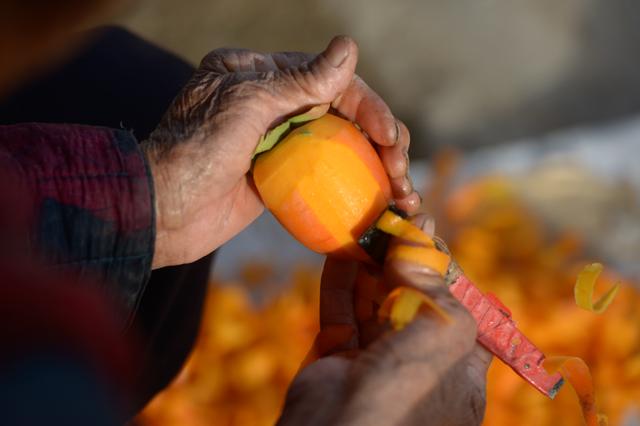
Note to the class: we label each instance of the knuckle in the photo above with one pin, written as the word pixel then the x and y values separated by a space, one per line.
pixel 214 58
pixel 246 90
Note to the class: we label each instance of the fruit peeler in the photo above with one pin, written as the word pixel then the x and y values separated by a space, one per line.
pixel 497 331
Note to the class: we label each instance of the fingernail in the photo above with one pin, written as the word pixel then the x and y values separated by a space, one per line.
pixel 425 222
pixel 420 220
pixel 396 136
pixel 429 226
pixel 337 51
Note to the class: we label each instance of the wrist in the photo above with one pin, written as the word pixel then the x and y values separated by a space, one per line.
pixel 160 183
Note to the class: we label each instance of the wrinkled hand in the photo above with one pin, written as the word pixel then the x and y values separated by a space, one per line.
pixel 431 372
pixel 200 154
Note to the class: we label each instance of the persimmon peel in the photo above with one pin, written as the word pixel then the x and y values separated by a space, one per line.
pixel 404 303
pixel 395 225
pixel 576 372
pixel 583 290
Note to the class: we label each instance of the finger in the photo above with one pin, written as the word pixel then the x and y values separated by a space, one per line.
pixel 402 272
pixel 429 225
pixel 264 63
pixel 370 292
pixel 401 186
pixel 359 103
pixel 331 339
pixel 337 300
pixel 426 332
pixel 428 339
pixel 478 363
pixel 362 105
pixel 410 204
pixel 396 157
pixel 371 330
pixel 224 60
pixel 415 360
pixel 319 81
pixel 322 79
pixel 284 60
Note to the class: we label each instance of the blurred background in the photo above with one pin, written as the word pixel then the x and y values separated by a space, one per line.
pixel 462 71
pixel 526 112
pixel 525 122
pixel 522 87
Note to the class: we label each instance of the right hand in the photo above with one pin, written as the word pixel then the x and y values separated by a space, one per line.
pixel 431 372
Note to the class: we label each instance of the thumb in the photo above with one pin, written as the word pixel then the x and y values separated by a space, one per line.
pixel 319 81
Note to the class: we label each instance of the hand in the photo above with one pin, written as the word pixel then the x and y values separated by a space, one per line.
pixel 431 372
pixel 200 154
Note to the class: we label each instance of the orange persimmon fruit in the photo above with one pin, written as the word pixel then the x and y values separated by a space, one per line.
pixel 325 184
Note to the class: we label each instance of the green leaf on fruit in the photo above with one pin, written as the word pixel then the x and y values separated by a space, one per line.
pixel 275 135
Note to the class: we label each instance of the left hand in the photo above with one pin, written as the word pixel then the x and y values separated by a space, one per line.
pixel 200 154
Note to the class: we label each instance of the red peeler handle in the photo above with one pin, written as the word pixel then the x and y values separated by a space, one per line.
pixel 498 333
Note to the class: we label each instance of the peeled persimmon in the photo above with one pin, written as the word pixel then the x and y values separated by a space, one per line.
pixel 325 184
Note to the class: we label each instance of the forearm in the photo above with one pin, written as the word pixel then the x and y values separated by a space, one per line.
pixel 89 203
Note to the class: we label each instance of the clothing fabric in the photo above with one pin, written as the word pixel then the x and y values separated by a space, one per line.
pixel 91 203
pixel 124 84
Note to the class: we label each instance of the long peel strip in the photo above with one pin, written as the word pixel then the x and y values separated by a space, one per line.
pixel 576 372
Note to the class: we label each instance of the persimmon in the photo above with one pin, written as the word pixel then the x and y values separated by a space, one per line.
pixel 326 184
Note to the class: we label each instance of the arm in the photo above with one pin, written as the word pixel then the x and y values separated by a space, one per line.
pixel 91 191
pixel 89 199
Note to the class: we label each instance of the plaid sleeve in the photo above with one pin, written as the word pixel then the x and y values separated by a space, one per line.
pixel 90 203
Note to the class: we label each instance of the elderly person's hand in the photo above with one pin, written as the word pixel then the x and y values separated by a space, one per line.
pixel 431 372
pixel 200 154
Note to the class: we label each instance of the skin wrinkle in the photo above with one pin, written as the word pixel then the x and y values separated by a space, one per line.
pixel 201 98
pixel 325 379
pixel 437 398
pixel 409 368
pixel 406 378
pixel 201 152
pixel 306 81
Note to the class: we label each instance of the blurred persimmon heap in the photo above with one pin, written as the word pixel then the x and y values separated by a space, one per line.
pixel 247 353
